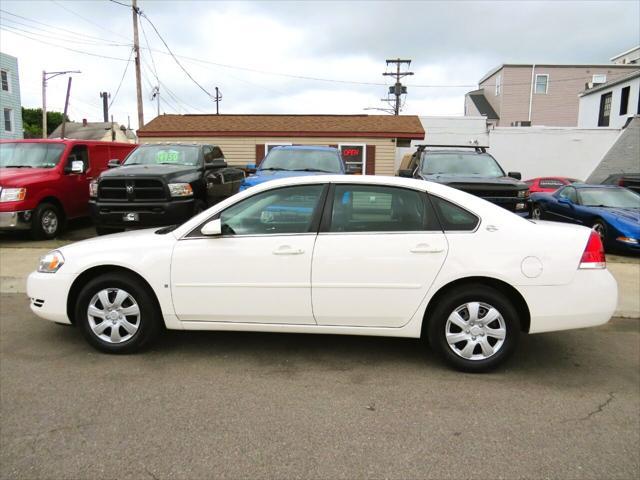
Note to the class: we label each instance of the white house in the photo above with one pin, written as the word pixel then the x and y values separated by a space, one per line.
pixel 612 103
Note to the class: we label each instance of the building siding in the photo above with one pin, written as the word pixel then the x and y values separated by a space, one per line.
pixel 11 99
pixel 589 106
pixel 240 151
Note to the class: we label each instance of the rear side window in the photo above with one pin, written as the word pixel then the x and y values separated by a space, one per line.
pixel 452 217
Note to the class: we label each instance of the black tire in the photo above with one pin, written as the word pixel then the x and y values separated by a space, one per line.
pixel 536 212
pixel 436 328
pixel 47 221
pixel 601 228
pixel 148 322
pixel 106 231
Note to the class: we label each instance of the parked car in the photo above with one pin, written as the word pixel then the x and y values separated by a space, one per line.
pixel 475 172
pixel 548 184
pixel 361 255
pixel 296 161
pixel 613 212
pixel 161 184
pixel 627 180
pixel 44 183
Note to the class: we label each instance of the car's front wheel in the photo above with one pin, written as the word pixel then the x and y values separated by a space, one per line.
pixel 117 313
pixel 47 221
pixel 474 329
pixel 536 212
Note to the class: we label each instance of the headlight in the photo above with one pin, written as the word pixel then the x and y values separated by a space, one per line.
pixel 180 189
pixel 13 194
pixel 51 262
pixel 523 194
pixel 93 189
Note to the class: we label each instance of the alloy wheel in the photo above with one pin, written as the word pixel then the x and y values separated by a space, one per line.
pixel 475 331
pixel 536 213
pixel 49 221
pixel 114 315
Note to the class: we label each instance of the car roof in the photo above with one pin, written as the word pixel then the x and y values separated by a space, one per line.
pixel 305 147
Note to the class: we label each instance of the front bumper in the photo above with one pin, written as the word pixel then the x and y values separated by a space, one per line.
pixel 152 214
pixel 15 220
pixel 48 294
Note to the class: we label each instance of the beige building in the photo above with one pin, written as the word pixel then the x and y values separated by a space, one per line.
pixel 98 131
pixel 537 94
pixel 366 141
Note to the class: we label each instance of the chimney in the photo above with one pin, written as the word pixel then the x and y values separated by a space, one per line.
pixel 84 122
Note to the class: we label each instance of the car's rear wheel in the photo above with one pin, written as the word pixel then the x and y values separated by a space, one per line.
pixel 117 313
pixel 47 221
pixel 536 212
pixel 474 329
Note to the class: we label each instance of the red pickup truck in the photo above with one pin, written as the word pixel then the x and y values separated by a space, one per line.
pixel 43 183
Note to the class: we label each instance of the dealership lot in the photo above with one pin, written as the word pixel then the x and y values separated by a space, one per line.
pixel 266 405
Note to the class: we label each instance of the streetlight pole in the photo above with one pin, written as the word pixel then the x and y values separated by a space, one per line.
pixel 48 76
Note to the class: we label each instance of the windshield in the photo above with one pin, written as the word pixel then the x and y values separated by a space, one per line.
pixel 609 197
pixel 462 164
pixel 187 155
pixel 302 160
pixel 30 155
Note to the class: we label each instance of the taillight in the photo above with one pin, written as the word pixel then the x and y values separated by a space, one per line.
pixel 593 255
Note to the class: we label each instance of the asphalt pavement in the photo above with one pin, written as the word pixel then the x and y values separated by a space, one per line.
pixel 248 405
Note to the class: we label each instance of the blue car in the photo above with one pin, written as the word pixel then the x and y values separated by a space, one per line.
pixel 295 161
pixel 612 211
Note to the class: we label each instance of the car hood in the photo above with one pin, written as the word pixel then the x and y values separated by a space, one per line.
pixel 168 172
pixel 474 180
pixel 22 177
pixel 262 176
pixel 630 215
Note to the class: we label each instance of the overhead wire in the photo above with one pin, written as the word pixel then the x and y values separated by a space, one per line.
pixel 126 67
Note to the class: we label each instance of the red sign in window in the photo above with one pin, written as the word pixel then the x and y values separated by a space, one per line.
pixel 353 156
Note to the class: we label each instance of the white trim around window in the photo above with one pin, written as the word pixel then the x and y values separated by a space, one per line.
pixel 364 153
pixel 546 83
pixel 598 78
pixel 275 144
pixel 8 76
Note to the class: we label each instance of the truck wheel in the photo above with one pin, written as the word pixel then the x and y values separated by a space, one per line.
pixel 47 221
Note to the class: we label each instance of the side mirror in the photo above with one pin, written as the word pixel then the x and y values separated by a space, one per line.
pixel 406 173
pixel 113 163
pixel 212 228
pixel 77 166
pixel 215 163
pixel 516 175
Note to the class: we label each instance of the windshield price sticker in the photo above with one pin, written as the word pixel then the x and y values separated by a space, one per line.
pixel 167 156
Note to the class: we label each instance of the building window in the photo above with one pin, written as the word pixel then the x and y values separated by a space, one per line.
pixel 605 110
pixel 6 85
pixel 624 100
pixel 354 155
pixel 542 83
pixel 269 146
pixel 498 84
pixel 599 78
pixel 8 120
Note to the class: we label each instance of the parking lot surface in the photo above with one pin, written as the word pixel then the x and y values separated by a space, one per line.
pixel 239 405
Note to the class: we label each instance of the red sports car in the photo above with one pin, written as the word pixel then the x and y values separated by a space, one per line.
pixel 548 184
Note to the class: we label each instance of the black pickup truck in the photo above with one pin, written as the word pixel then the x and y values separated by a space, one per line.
pixel 472 171
pixel 161 184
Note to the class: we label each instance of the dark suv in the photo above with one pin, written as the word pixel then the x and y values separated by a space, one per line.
pixel 473 171
pixel 161 184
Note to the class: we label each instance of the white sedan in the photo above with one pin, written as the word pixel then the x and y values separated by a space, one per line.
pixel 363 255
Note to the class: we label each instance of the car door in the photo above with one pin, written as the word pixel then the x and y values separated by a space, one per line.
pixel 259 269
pixel 378 252
pixel 75 191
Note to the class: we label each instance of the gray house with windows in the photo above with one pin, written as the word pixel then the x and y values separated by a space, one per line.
pixel 10 105
pixel 611 104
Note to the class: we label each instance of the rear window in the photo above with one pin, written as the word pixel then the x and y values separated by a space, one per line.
pixel 551 183
pixel 452 217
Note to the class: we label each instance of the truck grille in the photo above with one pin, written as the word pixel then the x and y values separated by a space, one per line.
pixel 143 190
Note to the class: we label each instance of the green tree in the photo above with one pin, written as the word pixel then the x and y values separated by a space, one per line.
pixel 32 122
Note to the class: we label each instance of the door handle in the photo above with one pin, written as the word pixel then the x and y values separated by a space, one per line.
pixel 425 248
pixel 287 250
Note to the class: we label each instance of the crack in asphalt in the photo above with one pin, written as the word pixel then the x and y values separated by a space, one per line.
pixel 599 409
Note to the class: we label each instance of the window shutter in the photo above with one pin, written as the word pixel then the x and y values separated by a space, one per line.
pixel 259 153
pixel 371 160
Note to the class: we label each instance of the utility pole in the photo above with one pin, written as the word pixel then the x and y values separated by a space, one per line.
pixel 66 107
pixel 217 100
pixel 105 105
pixel 398 89
pixel 48 76
pixel 136 49
pixel 155 95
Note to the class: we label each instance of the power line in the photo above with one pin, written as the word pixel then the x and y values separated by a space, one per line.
pixel 126 67
pixel 73 12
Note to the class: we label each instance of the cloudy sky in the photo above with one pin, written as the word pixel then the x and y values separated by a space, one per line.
pixel 297 57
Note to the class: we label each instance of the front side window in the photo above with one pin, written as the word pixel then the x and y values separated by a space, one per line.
pixel 542 83
pixel 79 153
pixel 280 211
pixel 452 217
pixel 8 120
pixel 30 155
pixel 185 155
pixel 302 160
pixel 372 208
pixel 569 193
pixel 461 164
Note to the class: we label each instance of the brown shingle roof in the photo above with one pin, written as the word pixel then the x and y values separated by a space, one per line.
pixel 385 126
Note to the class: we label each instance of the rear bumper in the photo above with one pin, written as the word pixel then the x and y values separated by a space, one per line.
pixel 48 294
pixel 588 301
pixel 20 220
pixel 156 214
